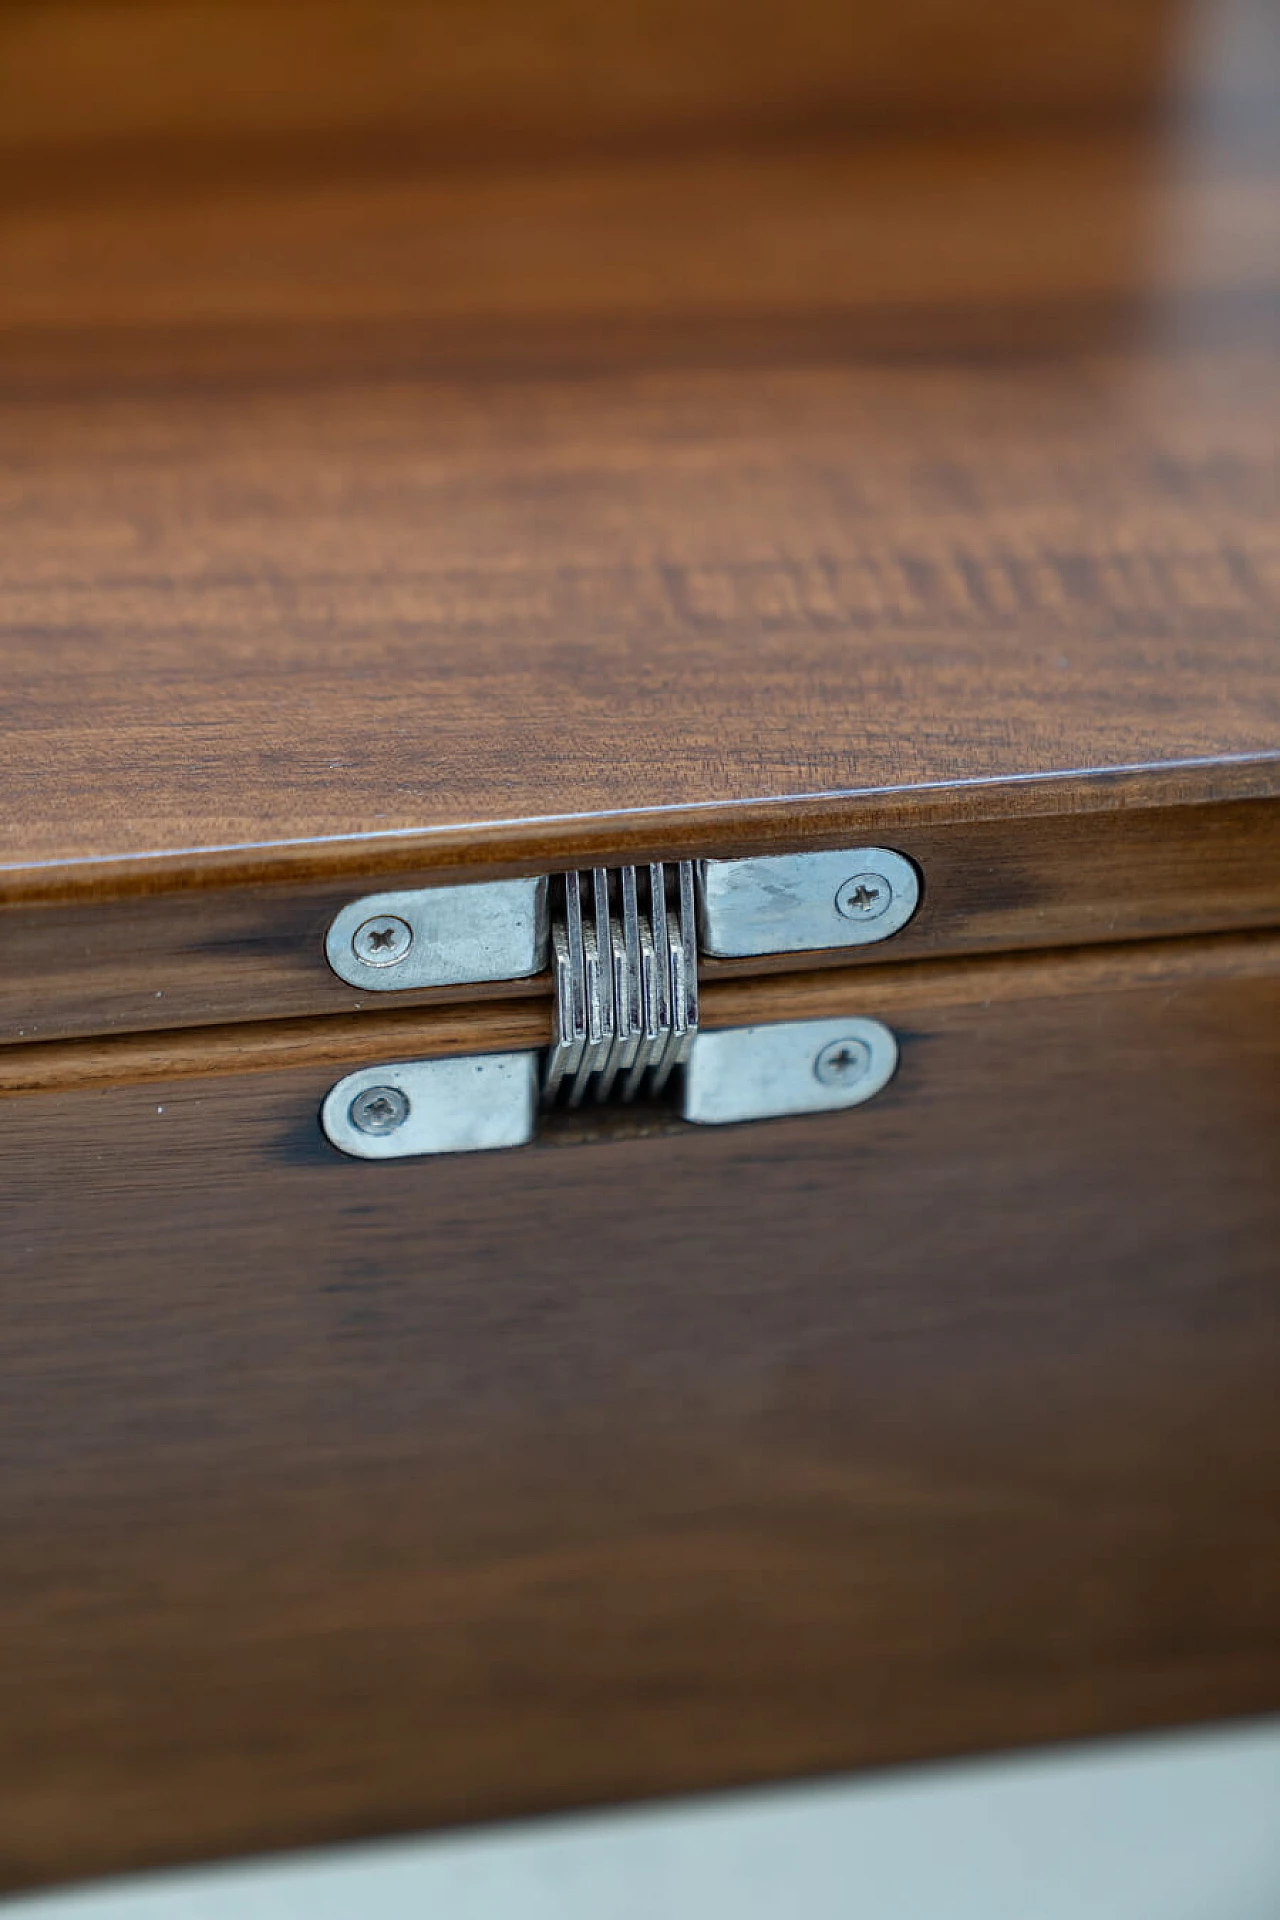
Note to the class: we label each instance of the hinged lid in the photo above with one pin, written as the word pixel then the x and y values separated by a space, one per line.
pixel 379 516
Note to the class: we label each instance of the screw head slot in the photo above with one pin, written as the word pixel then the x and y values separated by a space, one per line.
pixel 382 942
pixel 864 897
pixel 379 1110
pixel 842 1062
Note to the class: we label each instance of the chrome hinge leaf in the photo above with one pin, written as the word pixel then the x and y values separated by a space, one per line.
pixel 795 1066
pixel 441 936
pixel 416 1107
pixel 801 902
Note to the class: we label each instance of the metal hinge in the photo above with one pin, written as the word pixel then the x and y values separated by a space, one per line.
pixel 623 945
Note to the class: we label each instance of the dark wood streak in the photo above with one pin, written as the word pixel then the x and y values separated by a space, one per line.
pixel 387 82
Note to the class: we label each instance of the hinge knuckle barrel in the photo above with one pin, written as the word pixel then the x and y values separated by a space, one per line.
pixel 625 983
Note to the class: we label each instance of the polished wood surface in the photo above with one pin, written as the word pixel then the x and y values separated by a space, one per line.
pixel 341 1498
pixel 209 955
pixel 516 499
pixel 113 80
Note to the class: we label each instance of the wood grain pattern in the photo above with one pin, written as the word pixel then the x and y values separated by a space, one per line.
pixel 523 1021
pixel 458 506
pixel 339 1499
pixel 211 955
pixel 475 78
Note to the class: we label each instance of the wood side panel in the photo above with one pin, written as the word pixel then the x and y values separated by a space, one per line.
pixel 211 955
pixel 339 1499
